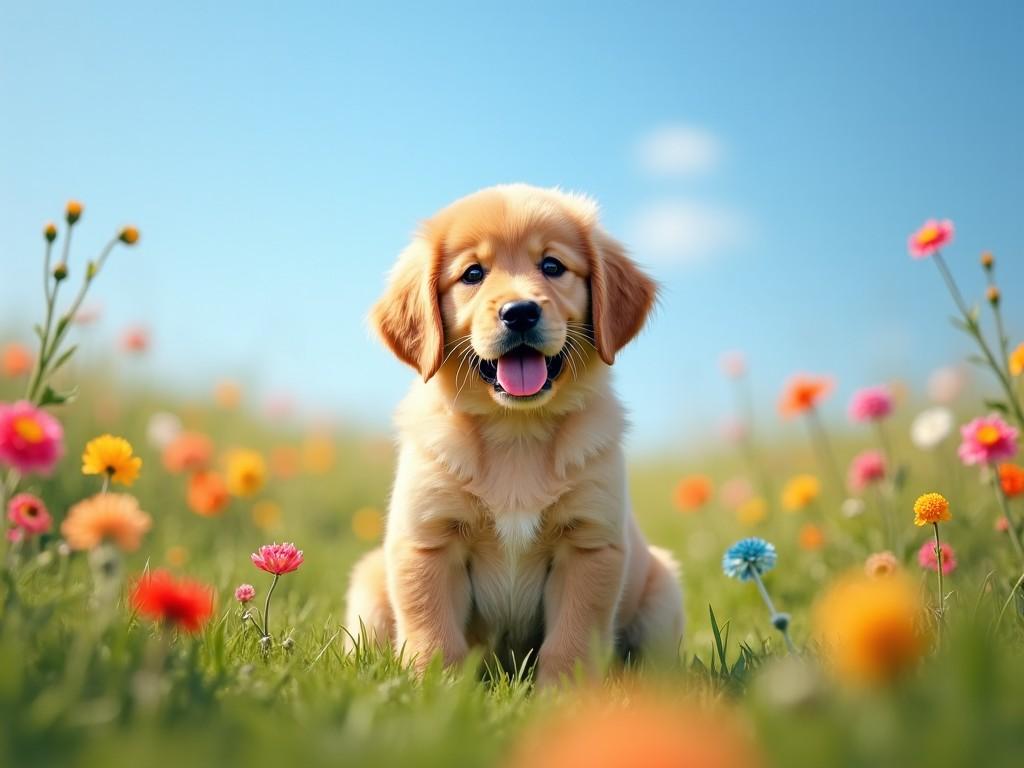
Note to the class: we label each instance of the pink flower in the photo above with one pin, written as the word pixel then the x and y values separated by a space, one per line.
pixel 733 364
pixel 932 236
pixel 31 440
pixel 28 513
pixel 987 440
pixel 135 340
pixel 870 404
pixel 1002 524
pixel 15 534
pixel 277 558
pixel 866 469
pixel 926 557
pixel 244 593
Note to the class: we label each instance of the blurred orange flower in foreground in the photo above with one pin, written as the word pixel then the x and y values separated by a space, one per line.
pixel 648 732
pixel 114 516
pixel 693 492
pixel 16 360
pixel 803 393
pixel 207 493
pixel 188 452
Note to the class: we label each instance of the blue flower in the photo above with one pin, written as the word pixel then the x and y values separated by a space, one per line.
pixel 747 557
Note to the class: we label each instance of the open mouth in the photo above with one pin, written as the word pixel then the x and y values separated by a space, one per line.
pixel 521 372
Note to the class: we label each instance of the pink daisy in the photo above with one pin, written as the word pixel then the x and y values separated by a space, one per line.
pixel 244 593
pixel 931 237
pixel 927 560
pixel 28 512
pixel 866 469
pixel 31 440
pixel 987 440
pixel 277 558
pixel 870 404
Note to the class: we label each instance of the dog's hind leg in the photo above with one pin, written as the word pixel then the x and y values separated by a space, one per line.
pixel 656 631
pixel 368 605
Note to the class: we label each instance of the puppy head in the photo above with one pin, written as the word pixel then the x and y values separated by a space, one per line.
pixel 512 294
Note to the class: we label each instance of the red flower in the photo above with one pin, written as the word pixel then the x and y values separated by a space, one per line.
pixel 277 558
pixel 184 604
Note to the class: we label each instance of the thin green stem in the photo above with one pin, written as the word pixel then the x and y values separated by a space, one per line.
pixel 825 454
pixel 784 629
pixel 938 569
pixel 1009 599
pixel 266 607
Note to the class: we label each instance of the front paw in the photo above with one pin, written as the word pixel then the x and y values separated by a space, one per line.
pixel 554 666
pixel 451 653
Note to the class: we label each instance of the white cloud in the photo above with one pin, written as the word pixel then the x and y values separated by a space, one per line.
pixel 679 150
pixel 684 231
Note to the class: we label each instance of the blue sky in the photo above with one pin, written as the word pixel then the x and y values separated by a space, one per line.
pixel 766 161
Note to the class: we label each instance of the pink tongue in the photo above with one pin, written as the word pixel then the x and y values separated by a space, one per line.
pixel 522 373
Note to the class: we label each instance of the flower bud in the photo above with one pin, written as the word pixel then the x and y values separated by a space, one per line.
pixel 992 294
pixel 288 644
pixel 73 211
pixel 265 643
pixel 987 260
pixel 781 621
pixel 129 235
pixel 60 271
pixel 50 231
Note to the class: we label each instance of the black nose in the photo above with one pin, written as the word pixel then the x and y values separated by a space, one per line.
pixel 519 316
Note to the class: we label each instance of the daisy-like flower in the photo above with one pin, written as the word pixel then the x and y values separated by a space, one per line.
pixel 207 493
pixel 114 516
pixel 927 559
pixel 870 404
pixel 881 564
pixel 162 429
pixel 187 452
pixel 111 456
pixel 1017 360
pixel 15 361
pixel 277 558
pixel 29 513
pixel 931 427
pixel 986 440
pixel 693 492
pixel 931 237
pixel 866 469
pixel 800 492
pixel 748 558
pixel 931 508
pixel 802 393
pixel 246 473
pixel 182 604
pixel 244 593
pixel 31 440
pixel 1011 478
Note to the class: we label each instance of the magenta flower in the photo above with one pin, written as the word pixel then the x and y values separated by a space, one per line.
pixel 870 404
pixel 244 593
pixel 31 440
pixel 927 560
pixel 28 513
pixel 867 468
pixel 277 558
pixel 931 237
pixel 987 440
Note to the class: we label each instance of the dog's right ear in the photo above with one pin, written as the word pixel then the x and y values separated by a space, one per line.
pixel 408 317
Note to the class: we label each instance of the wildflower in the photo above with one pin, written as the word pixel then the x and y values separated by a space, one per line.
pixel 114 516
pixel 866 469
pixel 244 593
pixel 881 564
pixel 31 440
pixel 946 384
pixel 733 364
pixel 135 340
pixel 162 429
pixel 749 557
pixel 111 456
pixel 931 508
pixel 128 235
pixel 1017 360
pixel 29 513
pixel 246 473
pixel 285 461
pixel 367 524
pixel 50 231
pixel 987 260
pixel 803 393
pixel 800 492
pixel 870 404
pixel 1011 478
pixel 183 604
pixel 986 440
pixel 207 493
pixel 852 508
pixel 931 427
pixel 188 452
pixel 277 559
pixel 931 237
pixel 16 361
pixel 735 492
pixel 318 454
pixel 869 628
pixel 993 295
pixel 693 492
pixel 811 537
pixel 73 211
pixel 752 511
pixel 1002 524
pixel 927 559
pixel 266 515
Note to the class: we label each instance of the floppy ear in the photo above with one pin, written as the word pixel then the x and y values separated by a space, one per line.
pixel 621 295
pixel 407 317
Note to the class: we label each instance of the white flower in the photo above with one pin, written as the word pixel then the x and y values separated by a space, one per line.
pixel 853 507
pixel 931 427
pixel 162 429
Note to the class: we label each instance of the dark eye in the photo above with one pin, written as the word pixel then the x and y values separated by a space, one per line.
pixel 473 275
pixel 551 266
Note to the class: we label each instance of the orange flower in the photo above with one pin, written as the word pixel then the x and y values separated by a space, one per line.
pixel 812 538
pixel 129 235
pixel 1011 477
pixel 207 493
pixel 931 508
pixel 73 211
pixel 188 452
pixel 692 492
pixel 16 361
pixel 1017 360
pixel 803 393
pixel 105 516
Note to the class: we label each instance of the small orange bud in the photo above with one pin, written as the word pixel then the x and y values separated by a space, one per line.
pixel 987 260
pixel 60 272
pixel 73 211
pixel 993 295
pixel 129 235
pixel 50 231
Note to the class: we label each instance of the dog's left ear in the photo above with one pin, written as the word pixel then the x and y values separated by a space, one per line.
pixel 408 317
pixel 621 295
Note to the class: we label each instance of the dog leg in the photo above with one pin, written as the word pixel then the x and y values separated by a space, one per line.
pixel 367 601
pixel 657 628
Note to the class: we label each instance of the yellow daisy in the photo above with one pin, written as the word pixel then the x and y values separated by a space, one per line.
pixel 111 456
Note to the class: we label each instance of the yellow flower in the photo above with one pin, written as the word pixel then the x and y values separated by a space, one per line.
pixel 931 508
pixel 246 473
pixel 266 515
pixel 1017 360
pixel 800 492
pixel 987 260
pixel 993 295
pixel 50 231
pixel 73 211
pixel 129 235
pixel 753 511
pixel 367 524
pixel 111 456
pixel 869 627
pixel 113 516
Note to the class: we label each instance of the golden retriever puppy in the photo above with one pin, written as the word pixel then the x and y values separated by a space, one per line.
pixel 510 524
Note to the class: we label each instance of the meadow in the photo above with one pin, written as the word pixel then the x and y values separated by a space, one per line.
pixel 818 630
